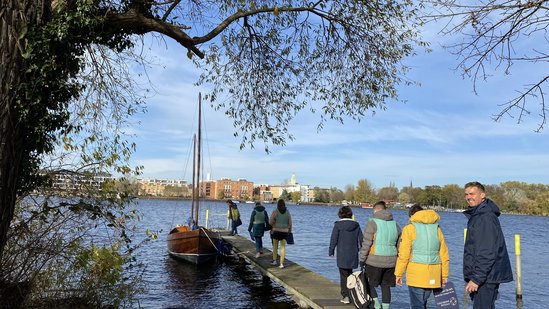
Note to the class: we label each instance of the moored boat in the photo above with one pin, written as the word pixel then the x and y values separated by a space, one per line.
pixel 191 242
pixel 195 246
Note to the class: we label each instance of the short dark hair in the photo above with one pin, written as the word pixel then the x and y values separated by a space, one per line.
pixel 345 212
pixel 415 208
pixel 381 205
pixel 280 204
pixel 475 184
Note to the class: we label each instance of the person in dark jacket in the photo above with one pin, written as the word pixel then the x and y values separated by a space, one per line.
pixel 486 262
pixel 347 237
pixel 256 227
pixel 234 216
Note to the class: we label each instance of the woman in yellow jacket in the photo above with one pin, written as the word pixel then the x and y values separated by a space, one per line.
pixel 423 254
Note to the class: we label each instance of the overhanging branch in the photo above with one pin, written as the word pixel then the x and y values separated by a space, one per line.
pixel 135 22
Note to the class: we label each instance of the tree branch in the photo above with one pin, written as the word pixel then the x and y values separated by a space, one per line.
pixel 135 22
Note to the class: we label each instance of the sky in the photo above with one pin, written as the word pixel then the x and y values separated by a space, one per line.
pixel 442 134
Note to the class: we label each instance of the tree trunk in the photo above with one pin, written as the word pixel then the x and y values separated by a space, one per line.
pixel 15 17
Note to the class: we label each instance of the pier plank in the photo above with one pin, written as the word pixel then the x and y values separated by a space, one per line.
pixel 307 288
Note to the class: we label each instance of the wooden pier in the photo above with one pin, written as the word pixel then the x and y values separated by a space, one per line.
pixel 308 289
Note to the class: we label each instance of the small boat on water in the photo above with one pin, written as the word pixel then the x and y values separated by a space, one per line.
pixel 191 242
pixel 366 205
pixel 197 246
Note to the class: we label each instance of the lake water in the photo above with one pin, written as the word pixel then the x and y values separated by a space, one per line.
pixel 175 284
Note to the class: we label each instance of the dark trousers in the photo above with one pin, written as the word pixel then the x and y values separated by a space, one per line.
pixel 385 293
pixel 233 227
pixel 258 244
pixel 343 274
pixel 485 297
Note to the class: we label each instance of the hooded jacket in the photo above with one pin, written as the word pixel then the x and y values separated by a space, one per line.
pixel 422 275
pixel 346 237
pixel 367 252
pixel 258 219
pixel 485 257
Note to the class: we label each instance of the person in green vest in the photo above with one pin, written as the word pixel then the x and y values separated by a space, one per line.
pixel 423 254
pixel 257 227
pixel 379 253
pixel 281 222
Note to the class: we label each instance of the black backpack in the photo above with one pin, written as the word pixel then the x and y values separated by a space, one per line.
pixel 359 290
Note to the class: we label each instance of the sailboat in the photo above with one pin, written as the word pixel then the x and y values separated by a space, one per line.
pixel 191 242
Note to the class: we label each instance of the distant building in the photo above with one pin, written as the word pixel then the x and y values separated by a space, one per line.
pixel 292 186
pixel 163 187
pixel 240 189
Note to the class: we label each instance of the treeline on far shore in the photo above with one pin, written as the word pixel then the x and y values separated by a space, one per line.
pixel 511 196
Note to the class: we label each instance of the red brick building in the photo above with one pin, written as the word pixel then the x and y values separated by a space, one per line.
pixel 226 188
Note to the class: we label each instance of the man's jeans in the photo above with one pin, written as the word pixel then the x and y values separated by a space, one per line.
pixel 258 244
pixel 419 297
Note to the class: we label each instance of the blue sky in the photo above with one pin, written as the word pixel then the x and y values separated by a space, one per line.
pixel 443 134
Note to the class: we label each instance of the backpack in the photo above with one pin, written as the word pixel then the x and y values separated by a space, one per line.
pixel 359 290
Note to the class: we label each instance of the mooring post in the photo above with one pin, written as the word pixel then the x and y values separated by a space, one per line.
pixel 518 269
pixel 207 216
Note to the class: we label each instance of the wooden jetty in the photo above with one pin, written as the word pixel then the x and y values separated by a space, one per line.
pixel 308 289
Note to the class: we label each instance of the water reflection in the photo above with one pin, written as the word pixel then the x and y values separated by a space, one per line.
pixel 226 283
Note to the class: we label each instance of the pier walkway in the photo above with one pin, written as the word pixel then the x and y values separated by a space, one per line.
pixel 308 289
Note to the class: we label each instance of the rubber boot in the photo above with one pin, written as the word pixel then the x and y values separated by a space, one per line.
pixel 377 304
pixel 385 306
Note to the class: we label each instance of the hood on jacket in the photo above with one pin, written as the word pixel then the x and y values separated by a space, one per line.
pixel 347 224
pixel 259 208
pixel 486 206
pixel 383 215
pixel 427 216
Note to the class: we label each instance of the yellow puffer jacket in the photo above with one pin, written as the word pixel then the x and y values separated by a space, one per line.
pixel 421 275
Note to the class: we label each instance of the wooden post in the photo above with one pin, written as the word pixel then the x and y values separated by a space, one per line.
pixel 207 216
pixel 518 269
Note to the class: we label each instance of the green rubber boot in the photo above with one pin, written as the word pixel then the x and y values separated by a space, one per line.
pixel 377 304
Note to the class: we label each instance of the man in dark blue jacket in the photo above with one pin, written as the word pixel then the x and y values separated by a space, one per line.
pixel 485 259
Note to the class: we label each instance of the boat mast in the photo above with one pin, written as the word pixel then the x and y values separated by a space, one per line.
pixel 199 154
pixel 194 183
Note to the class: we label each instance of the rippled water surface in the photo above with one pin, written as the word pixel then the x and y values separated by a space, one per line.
pixel 174 284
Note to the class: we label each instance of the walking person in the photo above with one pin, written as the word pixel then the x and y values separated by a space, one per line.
pixel 423 254
pixel 234 216
pixel 258 221
pixel 281 222
pixel 379 253
pixel 346 237
pixel 486 262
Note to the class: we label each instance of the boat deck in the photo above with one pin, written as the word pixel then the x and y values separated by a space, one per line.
pixel 307 288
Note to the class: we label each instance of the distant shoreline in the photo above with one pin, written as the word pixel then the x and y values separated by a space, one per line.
pixel 316 204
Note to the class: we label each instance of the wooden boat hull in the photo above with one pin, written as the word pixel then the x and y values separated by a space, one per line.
pixel 197 246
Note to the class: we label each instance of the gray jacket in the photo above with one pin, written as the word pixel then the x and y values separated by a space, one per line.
pixel 368 241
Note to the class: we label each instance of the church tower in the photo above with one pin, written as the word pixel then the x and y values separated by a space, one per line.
pixel 293 180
